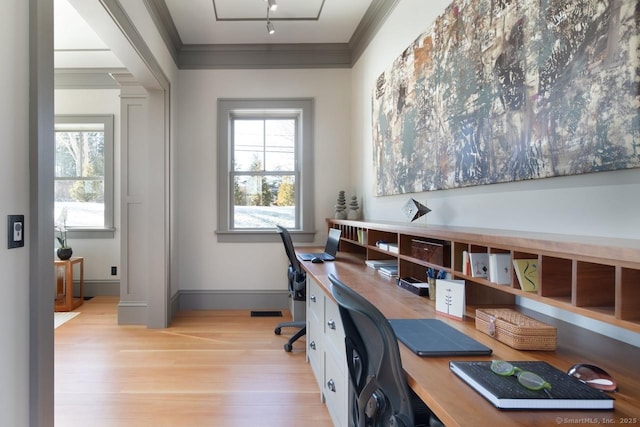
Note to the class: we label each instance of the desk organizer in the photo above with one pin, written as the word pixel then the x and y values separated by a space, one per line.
pixel 515 329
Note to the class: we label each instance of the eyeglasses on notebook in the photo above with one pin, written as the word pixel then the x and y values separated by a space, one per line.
pixel 527 379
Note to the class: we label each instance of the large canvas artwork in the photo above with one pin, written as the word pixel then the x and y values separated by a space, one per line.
pixel 508 90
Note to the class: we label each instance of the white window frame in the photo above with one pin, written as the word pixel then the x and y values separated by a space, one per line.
pixel 108 230
pixel 266 108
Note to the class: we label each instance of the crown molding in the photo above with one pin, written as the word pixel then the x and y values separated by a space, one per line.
pixel 83 78
pixel 371 22
pixel 261 56
pixel 274 56
pixel 166 27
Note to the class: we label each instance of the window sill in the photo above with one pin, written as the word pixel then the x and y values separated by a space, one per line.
pixel 255 236
pixel 91 233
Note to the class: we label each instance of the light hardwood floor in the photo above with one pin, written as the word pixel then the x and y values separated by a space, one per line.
pixel 209 368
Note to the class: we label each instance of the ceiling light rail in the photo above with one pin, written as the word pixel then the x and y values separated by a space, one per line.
pixel 272 6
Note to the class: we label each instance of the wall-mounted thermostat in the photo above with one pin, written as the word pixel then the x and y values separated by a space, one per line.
pixel 15 231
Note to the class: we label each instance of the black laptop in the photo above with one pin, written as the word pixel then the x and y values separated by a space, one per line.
pixel 330 249
pixel 433 337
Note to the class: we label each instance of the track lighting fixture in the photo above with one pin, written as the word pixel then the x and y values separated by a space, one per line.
pixel 271 6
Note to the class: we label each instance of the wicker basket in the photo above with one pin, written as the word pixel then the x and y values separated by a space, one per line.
pixel 515 329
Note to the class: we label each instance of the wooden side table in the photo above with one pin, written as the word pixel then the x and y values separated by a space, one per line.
pixel 65 300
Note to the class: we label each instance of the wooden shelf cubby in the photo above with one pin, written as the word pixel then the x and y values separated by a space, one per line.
pixel 594 277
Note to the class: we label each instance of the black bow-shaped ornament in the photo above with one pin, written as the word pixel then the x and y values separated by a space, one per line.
pixel 413 209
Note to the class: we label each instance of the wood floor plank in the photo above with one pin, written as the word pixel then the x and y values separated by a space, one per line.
pixel 210 368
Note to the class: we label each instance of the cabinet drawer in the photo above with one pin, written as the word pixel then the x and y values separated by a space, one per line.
pixel 314 347
pixel 334 332
pixel 335 389
pixel 315 299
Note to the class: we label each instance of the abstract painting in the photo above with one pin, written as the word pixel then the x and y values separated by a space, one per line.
pixel 508 90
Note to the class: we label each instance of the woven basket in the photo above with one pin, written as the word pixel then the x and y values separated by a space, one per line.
pixel 516 330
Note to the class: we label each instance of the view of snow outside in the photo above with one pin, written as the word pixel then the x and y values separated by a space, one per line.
pixel 264 179
pixel 264 216
pixel 79 214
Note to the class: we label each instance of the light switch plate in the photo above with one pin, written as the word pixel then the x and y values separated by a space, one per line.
pixel 15 231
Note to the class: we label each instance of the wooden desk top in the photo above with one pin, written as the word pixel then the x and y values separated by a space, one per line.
pixel 452 400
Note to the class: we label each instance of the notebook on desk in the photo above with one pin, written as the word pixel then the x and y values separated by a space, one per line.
pixel 432 337
pixel 330 248
pixel 505 392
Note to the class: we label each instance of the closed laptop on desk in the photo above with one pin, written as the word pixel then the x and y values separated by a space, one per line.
pixel 432 337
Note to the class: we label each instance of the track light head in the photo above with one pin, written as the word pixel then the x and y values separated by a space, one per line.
pixel 270 28
pixel 272 5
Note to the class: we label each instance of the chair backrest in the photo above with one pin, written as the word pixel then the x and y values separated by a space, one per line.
pixel 381 394
pixel 296 275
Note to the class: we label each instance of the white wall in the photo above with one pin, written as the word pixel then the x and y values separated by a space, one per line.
pixel 14 199
pixel 205 264
pixel 99 254
pixel 601 204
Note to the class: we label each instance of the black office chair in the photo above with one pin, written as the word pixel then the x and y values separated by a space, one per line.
pixel 297 278
pixel 381 396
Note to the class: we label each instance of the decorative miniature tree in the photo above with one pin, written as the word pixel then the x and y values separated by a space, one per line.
pixel 354 209
pixel 341 206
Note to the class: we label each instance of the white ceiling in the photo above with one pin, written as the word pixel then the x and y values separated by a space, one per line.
pixel 198 22
pixel 75 44
pixel 244 21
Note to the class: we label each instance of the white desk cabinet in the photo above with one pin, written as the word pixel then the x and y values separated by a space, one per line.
pixel 326 352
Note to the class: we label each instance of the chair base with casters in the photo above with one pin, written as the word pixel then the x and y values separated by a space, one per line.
pixel 301 332
pixel 298 307
pixel 297 284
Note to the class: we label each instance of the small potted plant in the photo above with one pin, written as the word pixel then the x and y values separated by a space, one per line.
pixel 64 252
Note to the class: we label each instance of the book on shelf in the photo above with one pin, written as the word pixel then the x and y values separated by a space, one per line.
pixel 479 263
pixel 466 265
pixel 500 268
pixel 393 248
pixel 389 270
pixel 377 263
pixel 527 274
pixel 505 392
pixel 381 244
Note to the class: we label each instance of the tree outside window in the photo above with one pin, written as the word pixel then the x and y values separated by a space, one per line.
pixel 265 169
pixel 83 171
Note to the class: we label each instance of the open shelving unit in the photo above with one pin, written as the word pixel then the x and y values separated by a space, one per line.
pixel 595 277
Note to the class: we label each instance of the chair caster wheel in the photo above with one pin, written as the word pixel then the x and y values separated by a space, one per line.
pixel 277 331
pixel 288 347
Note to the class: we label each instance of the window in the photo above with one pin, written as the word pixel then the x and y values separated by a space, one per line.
pixel 84 174
pixel 265 169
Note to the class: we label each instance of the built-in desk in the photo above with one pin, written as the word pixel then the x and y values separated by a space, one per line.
pixel 455 403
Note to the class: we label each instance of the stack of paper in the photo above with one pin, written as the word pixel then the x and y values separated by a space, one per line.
pixel 377 263
pixel 389 270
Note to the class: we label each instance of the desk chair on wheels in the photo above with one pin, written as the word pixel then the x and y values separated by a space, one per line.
pixel 297 278
pixel 381 396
